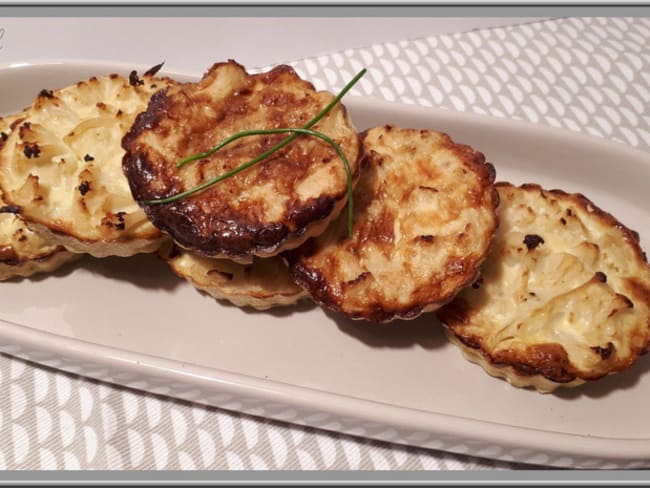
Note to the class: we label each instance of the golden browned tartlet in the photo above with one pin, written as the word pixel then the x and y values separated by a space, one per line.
pixel 563 298
pixel 273 206
pixel 424 217
pixel 22 251
pixel 62 166
pixel 262 284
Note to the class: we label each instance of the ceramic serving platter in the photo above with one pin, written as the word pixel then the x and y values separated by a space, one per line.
pixel 130 321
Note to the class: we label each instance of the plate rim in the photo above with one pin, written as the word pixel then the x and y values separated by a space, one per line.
pixel 244 386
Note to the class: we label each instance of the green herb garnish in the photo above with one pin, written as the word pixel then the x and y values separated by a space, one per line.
pixel 244 166
pixel 295 133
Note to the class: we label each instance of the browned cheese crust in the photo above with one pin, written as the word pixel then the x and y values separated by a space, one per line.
pixel 23 252
pixel 62 166
pixel 273 206
pixel 424 217
pixel 564 297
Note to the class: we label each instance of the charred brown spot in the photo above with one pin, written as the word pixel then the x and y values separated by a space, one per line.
pixel 134 80
pixel 563 220
pixel 602 277
pixel 154 69
pixel 471 341
pixel 428 188
pixel 477 283
pixel 32 150
pixel 84 187
pixel 550 360
pixel 88 157
pixel 244 92
pixel 425 238
pixel 12 209
pixel 121 225
pixel 3 136
pixel 604 352
pixel 532 241
pixel 362 277
pixel 46 93
pixel 8 255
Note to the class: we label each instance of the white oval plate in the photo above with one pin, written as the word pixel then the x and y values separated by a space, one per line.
pixel 132 322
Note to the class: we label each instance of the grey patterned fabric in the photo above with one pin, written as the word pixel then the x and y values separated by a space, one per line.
pixel 54 420
pixel 581 74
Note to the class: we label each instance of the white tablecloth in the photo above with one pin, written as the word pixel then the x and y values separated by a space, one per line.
pixel 581 74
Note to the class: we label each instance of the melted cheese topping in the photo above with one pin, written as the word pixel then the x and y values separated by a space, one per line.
pixel 22 251
pixel 63 166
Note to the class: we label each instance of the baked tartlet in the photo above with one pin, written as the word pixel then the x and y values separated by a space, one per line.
pixel 563 298
pixel 271 207
pixel 424 218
